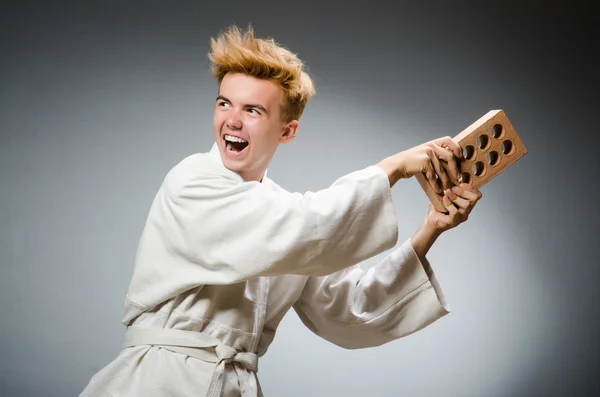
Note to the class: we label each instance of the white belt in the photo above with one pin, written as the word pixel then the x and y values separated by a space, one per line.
pixel 201 346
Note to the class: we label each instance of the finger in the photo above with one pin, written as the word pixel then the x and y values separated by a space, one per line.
pixel 450 163
pixel 471 188
pixel 462 203
pixel 441 173
pixel 448 142
pixel 454 169
pixel 430 175
pixel 463 191
pixel 452 210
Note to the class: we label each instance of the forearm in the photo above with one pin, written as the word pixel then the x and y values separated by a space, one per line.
pixel 423 239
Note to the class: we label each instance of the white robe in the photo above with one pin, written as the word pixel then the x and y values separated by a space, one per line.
pixel 229 258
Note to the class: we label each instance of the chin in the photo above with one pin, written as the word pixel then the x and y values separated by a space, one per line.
pixel 236 166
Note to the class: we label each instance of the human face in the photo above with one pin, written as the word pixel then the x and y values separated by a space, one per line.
pixel 247 124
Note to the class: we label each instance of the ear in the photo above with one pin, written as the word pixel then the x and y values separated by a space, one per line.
pixel 289 132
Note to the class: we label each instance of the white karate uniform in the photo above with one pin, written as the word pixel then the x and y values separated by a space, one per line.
pixel 221 261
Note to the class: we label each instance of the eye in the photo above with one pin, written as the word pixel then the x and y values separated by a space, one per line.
pixel 254 111
pixel 222 104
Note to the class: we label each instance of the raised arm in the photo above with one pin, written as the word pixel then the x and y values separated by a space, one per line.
pixel 207 226
pixel 216 230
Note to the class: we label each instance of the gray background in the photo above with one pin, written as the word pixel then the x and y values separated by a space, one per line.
pixel 99 101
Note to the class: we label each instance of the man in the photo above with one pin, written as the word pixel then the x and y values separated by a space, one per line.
pixel 226 252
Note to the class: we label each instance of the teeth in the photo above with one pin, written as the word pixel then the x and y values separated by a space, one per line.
pixel 234 139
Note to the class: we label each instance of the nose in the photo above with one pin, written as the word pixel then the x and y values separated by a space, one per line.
pixel 234 121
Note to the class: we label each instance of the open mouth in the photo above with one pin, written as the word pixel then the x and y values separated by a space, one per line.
pixel 235 145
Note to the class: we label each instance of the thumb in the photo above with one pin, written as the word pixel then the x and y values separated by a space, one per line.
pixel 445 200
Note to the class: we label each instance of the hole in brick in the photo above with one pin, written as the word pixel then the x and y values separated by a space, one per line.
pixel 497 131
pixel 478 168
pixel 468 152
pixel 492 157
pixel 507 147
pixel 466 177
pixel 483 141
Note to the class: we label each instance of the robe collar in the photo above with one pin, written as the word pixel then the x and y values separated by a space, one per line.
pixel 215 155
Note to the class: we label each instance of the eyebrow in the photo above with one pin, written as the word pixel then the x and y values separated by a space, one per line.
pixel 249 105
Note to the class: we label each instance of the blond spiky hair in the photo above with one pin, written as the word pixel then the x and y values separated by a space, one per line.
pixel 241 52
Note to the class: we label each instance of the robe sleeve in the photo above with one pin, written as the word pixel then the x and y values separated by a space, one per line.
pixel 357 309
pixel 213 229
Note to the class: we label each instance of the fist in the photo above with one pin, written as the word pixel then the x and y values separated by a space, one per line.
pixel 460 201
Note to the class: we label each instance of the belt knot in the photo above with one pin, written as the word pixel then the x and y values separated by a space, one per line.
pixel 225 353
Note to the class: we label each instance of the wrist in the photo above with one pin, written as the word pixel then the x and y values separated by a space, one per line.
pixel 390 165
pixel 430 227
